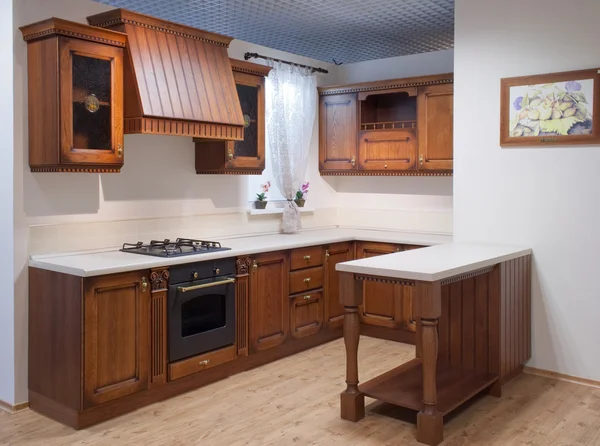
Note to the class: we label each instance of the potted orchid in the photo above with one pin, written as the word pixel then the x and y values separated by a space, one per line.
pixel 300 200
pixel 261 199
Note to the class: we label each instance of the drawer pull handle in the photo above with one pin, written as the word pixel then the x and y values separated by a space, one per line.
pixel 307 280
pixel 307 297
pixel 204 362
pixel 306 257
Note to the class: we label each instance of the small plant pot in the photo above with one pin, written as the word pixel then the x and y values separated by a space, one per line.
pixel 260 204
pixel 300 202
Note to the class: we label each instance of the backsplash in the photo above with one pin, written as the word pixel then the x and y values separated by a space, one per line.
pixel 83 236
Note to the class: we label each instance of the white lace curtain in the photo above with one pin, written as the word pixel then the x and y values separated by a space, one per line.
pixel 291 102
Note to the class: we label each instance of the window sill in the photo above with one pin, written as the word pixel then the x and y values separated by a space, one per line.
pixel 275 211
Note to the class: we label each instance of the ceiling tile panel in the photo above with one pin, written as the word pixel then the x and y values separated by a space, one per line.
pixel 345 30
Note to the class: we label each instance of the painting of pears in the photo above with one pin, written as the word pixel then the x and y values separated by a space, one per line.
pixel 555 109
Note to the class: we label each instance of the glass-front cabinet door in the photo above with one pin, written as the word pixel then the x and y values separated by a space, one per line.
pixel 250 152
pixel 91 102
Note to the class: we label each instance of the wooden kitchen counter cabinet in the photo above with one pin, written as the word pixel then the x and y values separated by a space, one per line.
pixel 472 306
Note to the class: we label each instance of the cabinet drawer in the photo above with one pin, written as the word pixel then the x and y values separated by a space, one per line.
pixel 306 279
pixel 306 257
pixel 202 362
pixel 306 313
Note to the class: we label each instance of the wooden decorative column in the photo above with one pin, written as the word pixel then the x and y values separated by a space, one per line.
pixel 352 400
pixel 242 266
pixel 428 299
pixel 159 280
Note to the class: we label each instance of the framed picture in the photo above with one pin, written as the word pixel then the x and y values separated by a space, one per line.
pixel 557 108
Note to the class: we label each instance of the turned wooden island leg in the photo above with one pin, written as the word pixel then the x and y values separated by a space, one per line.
pixel 430 423
pixel 352 401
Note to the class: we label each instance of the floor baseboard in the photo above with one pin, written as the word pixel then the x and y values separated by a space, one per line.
pixel 13 409
pixel 561 377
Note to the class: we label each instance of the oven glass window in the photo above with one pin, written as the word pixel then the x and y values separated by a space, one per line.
pixel 202 314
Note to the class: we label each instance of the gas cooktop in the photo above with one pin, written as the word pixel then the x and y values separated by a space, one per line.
pixel 168 248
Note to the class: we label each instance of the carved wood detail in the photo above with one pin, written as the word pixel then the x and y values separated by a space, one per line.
pixel 66 32
pixel 460 277
pixel 159 279
pixel 325 91
pixel 228 172
pixel 81 169
pixel 242 265
pixel 370 173
pixel 385 280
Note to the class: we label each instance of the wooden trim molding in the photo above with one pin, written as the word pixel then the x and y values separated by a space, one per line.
pixel 53 26
pixel 384 280
pixel 10 408
pixel 467 275
pixel 370 173
pixel 228 172
pixel 561 377
pixel 418 81
pixel 242 66
pixel 161 126
pixel 82 169
pixel 124 17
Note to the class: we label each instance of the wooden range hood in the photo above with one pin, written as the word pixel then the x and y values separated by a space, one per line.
pixel 177 79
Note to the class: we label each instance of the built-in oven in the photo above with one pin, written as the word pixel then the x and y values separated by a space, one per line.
pixel 201 312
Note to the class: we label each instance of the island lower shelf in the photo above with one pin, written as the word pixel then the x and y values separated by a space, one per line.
pixel 403 386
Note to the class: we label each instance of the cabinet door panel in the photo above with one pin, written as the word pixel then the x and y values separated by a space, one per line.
pixel 269 307
pixel 435 125
pixel 338 127
pixel 249 153
pixel 387 150
pixel 91 80
pixel 306 314
pixel 334 311
pixel 382 302
pixel 116 328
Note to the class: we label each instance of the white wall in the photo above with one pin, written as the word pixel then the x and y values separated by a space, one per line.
pixel 7 307
pixel 544 198
pixel 428 199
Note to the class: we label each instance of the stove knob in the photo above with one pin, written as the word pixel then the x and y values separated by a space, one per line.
pixel 195 274
pixel 217 271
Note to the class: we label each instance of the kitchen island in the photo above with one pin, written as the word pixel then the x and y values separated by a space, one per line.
pixel 472 305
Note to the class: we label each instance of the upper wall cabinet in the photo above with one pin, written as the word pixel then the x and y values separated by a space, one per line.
pixel 394 127
pixel 75 89
pixel 245 157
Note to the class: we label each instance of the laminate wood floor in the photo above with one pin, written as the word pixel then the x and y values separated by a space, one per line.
pixel 295 401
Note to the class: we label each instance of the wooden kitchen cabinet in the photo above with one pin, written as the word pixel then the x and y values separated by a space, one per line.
pixel 435 127
pixel 116 320
pixel 75 91
pixel 268 300
pixel 391 127
pixel 245 157
pixel 333 309
pixel 338 125
pixel 306 313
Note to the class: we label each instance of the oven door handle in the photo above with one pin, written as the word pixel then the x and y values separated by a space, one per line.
pixel 185 289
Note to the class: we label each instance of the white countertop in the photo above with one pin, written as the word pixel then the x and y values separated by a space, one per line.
pixel 434 262
pixel 114 261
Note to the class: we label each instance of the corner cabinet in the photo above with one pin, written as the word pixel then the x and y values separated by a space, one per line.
pixel 245 157
pixel 393 127
pixel 75 90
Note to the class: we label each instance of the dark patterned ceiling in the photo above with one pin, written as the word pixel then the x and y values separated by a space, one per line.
pixel 345 30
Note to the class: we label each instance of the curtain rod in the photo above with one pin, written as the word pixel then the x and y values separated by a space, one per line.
pixel 259 56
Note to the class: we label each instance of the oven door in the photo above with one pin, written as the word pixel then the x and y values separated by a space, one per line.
pixel 201 316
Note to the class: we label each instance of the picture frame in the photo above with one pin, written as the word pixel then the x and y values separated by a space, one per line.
pixel 550 109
